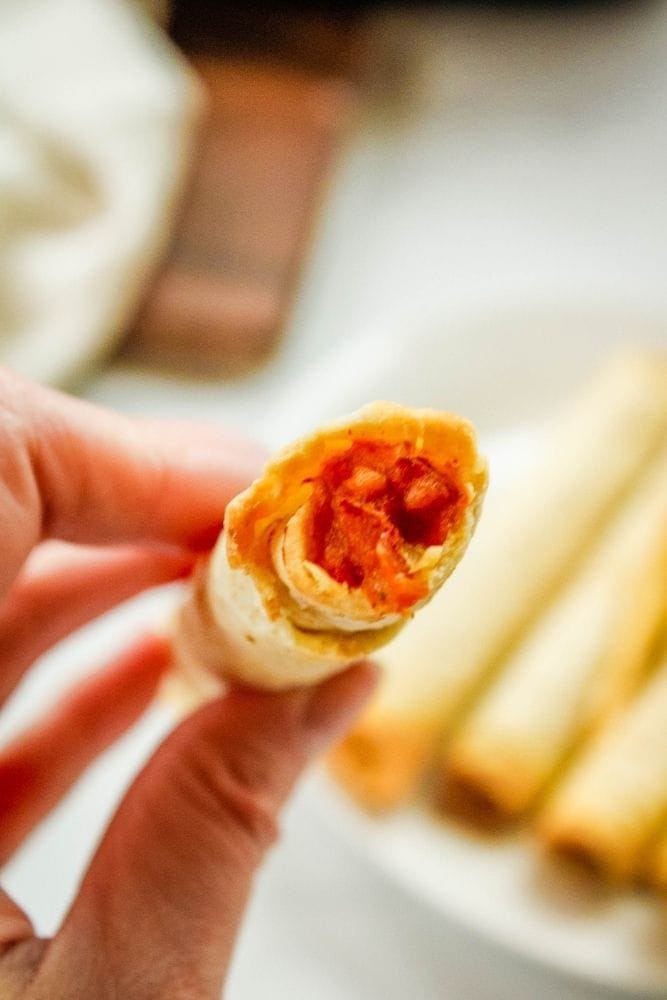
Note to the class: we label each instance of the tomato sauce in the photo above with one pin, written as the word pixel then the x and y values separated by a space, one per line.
pixel 368 502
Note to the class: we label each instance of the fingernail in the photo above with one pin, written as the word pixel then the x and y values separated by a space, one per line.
pixel 336 703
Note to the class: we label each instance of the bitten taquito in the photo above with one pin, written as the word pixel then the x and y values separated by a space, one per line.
pixel 325 557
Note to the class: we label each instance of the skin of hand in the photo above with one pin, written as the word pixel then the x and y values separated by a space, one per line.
pixel 95 507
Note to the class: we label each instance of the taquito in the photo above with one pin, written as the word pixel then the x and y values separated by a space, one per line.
pixel 579 664
pixel 612 804
pixel 531 535
pixel 654 866
pixel 326 556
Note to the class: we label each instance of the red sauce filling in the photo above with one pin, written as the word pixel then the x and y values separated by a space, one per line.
pixel 365 504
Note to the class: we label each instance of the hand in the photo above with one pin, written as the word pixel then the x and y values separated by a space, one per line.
pixel 160 905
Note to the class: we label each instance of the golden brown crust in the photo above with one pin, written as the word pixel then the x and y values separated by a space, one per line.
pixel 654 865
pixel 376 767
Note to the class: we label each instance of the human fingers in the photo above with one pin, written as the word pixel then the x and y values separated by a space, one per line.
pixel 64 586
pixel 78 472
pixel 159 909
pixel 40 766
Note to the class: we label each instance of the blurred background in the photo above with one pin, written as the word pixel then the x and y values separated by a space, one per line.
pixel 264 214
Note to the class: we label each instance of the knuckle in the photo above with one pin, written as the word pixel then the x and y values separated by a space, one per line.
pixel 231 800
pixel 248 808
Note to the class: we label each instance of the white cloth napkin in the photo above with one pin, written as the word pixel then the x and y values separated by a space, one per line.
pixel 97 116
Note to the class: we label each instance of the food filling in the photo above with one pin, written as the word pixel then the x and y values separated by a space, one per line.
pixel 367 506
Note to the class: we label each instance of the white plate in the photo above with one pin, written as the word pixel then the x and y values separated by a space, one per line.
pixel 500 891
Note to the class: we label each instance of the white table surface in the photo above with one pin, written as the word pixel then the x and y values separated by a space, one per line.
pixel 523 181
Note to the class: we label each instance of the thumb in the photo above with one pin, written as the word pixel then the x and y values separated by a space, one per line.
pixel 160 907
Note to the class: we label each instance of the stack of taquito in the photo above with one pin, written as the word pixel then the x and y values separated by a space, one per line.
pixel 536 684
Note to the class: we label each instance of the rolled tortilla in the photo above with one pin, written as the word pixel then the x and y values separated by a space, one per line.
pixel 327 555
pixel 532 534
pixel 580 663
pixel 614 801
